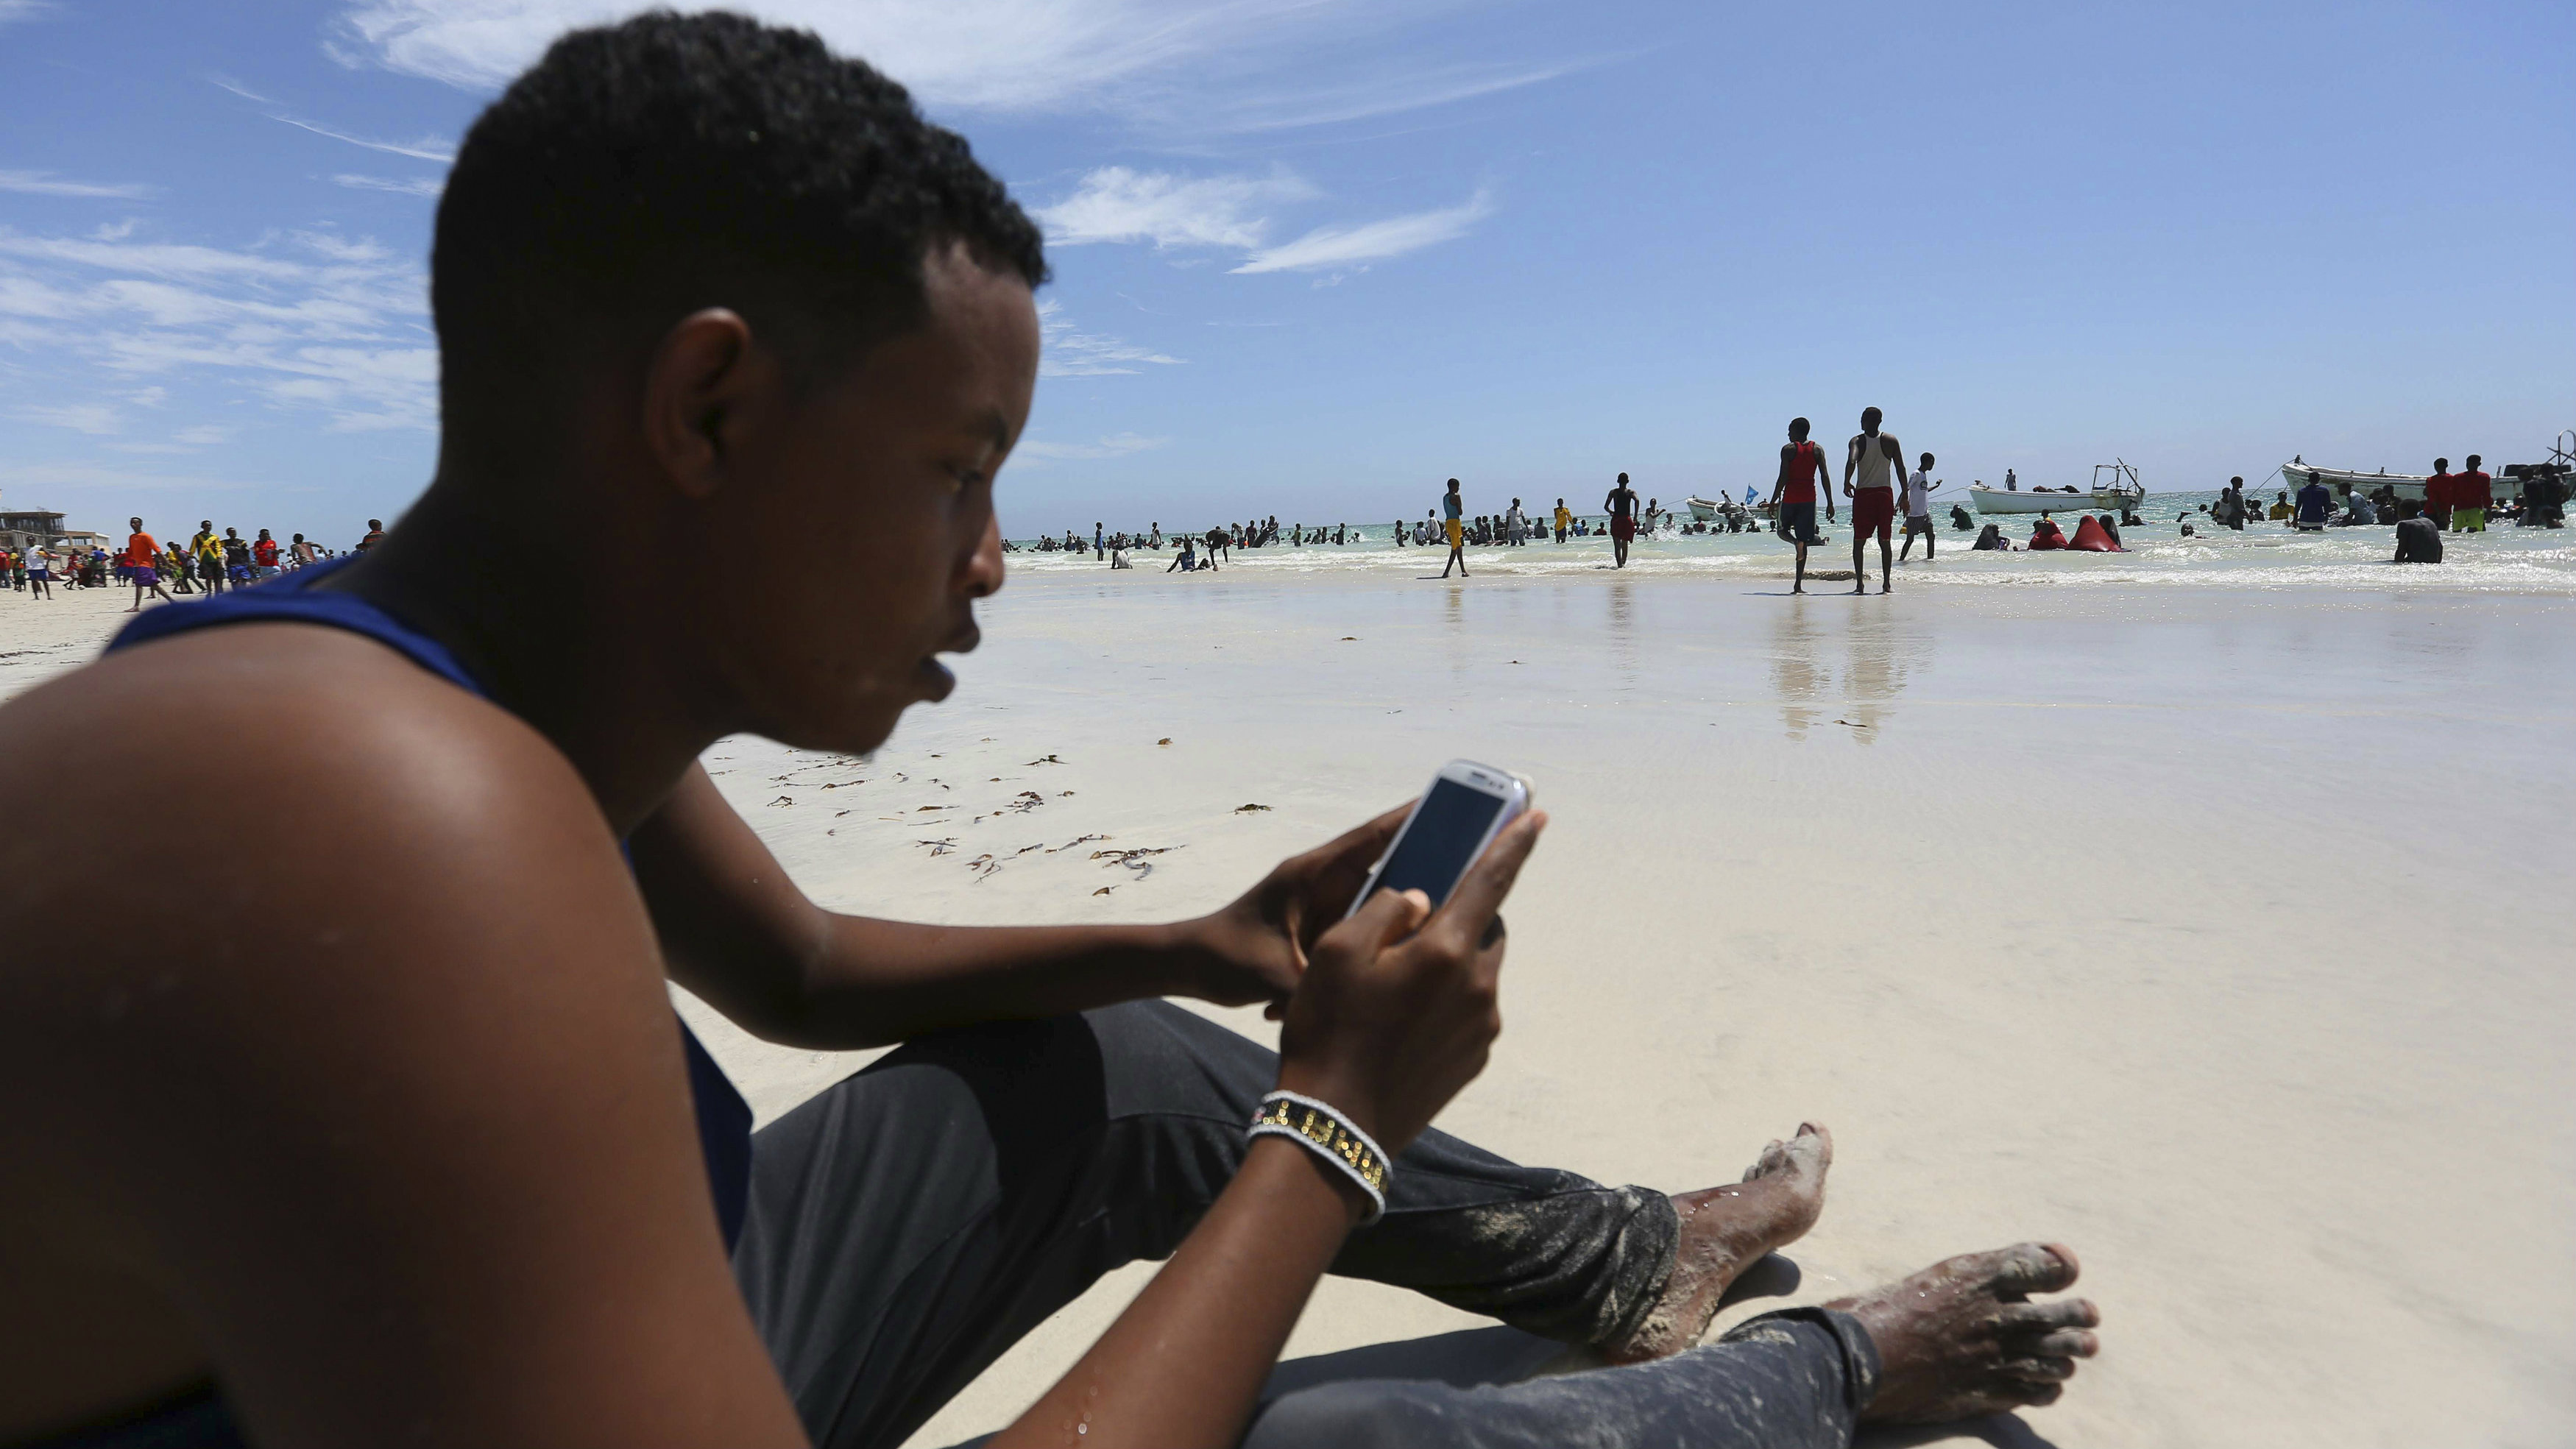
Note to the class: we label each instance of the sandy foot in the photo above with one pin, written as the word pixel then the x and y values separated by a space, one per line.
pixel 1961 1338
pixel 1726 1230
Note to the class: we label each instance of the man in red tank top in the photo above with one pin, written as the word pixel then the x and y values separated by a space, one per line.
pixel 1793 497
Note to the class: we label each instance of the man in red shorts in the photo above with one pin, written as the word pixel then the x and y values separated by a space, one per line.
pixel 1793 497
pixel 1871 466
pixel 1621 505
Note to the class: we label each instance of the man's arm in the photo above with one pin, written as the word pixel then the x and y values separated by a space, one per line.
pixel 738 933
pixel 421 1165
pixel 1387 1033
pixel 1825 482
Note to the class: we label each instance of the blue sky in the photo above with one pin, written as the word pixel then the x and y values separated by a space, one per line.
pixel 1314 257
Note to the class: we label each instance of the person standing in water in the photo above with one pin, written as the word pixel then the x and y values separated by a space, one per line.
pixel 1455 508
pixel 2471 494
pixel 1918 510
pixel 1564 520
pixel 2231 505
pixel 1793 497
pixel 1621 505
pixel 1871 486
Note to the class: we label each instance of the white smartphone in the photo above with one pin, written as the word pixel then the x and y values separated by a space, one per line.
pixel 1466 807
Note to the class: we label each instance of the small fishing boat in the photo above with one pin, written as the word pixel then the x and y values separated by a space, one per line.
pixel 2118 492
pixel 1705 510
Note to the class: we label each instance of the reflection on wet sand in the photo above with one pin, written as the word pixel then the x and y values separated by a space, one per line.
pixel 1623 631
pixel 1876 653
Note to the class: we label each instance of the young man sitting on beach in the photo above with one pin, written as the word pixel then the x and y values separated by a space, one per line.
pixel 410 1147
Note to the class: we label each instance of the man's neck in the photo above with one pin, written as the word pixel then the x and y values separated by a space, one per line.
pixel 580 656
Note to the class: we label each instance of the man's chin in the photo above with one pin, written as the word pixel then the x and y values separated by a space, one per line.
pixel 934 679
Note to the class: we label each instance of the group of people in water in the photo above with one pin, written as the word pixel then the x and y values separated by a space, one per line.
pixel 1225 537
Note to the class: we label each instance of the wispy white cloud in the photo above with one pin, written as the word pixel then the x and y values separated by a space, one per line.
pixel 427 148
pixel 44 183
pixel 186 440
pixel 429 186
pixel 308 321
pixel 1116 445
pixel 23 9
pixel 1116 204
pixel 79 417
pixel 1177 65
pixel 1230 213
pixel 1342 246
pixel 237 88
pixel 1068 351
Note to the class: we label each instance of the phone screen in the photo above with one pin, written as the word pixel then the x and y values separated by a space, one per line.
pixel 1441 842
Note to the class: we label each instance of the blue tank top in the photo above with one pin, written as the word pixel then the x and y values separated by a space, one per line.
pixel 201 1420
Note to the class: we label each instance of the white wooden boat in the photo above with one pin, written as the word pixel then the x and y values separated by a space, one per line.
pixel 2036 500
pixel 2119 491
pixel 2409 486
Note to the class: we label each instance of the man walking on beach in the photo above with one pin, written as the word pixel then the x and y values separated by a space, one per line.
pixel 1455 508
pixel 1621 505
pixel 206 551
pixel 1918 510
pixel 1793 496
pixel 143 561
pixel 1868 482
pixel 2470 494
pixel 1564 520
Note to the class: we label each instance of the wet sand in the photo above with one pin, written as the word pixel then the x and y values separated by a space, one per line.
pixel 2214 931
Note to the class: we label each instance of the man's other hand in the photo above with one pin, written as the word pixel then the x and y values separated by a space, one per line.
pixel 1255 949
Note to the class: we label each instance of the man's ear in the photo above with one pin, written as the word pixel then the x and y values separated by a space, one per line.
pixel 700 377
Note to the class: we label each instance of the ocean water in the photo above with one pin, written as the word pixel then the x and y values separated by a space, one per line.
pixel 2266 555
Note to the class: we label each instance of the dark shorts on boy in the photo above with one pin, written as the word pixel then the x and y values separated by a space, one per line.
pixel 1798 522
pixel 1623 528
pixel 1873 511
pixel 147 578
pixel 1918 523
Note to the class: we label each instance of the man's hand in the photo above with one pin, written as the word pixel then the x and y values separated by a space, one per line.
pixel 1255 949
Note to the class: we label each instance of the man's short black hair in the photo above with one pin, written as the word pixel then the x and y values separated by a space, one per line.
pixel 642 171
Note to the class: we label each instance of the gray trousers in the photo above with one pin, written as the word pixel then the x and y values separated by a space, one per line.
pixel 910 1224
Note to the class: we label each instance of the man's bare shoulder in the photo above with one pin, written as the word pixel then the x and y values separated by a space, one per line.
pixel 289 703
pixel 216 789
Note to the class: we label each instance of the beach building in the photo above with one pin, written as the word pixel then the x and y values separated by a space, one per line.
pixel 19 527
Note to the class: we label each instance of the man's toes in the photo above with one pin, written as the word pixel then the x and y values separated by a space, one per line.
pixel 2064 1343
pixel 2056 1313
pixel 2035 1268
pixel 1814 1144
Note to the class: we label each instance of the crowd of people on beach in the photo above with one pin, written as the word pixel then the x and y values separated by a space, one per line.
pixel 209 563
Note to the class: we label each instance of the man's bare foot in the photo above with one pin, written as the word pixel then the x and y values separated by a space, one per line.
pixel 1962 1338
pixel 1726 1230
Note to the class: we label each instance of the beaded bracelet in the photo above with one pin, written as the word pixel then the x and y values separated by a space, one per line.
pixel 1328 1134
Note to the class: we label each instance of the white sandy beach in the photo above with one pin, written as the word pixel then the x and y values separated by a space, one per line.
pixel 2214 926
